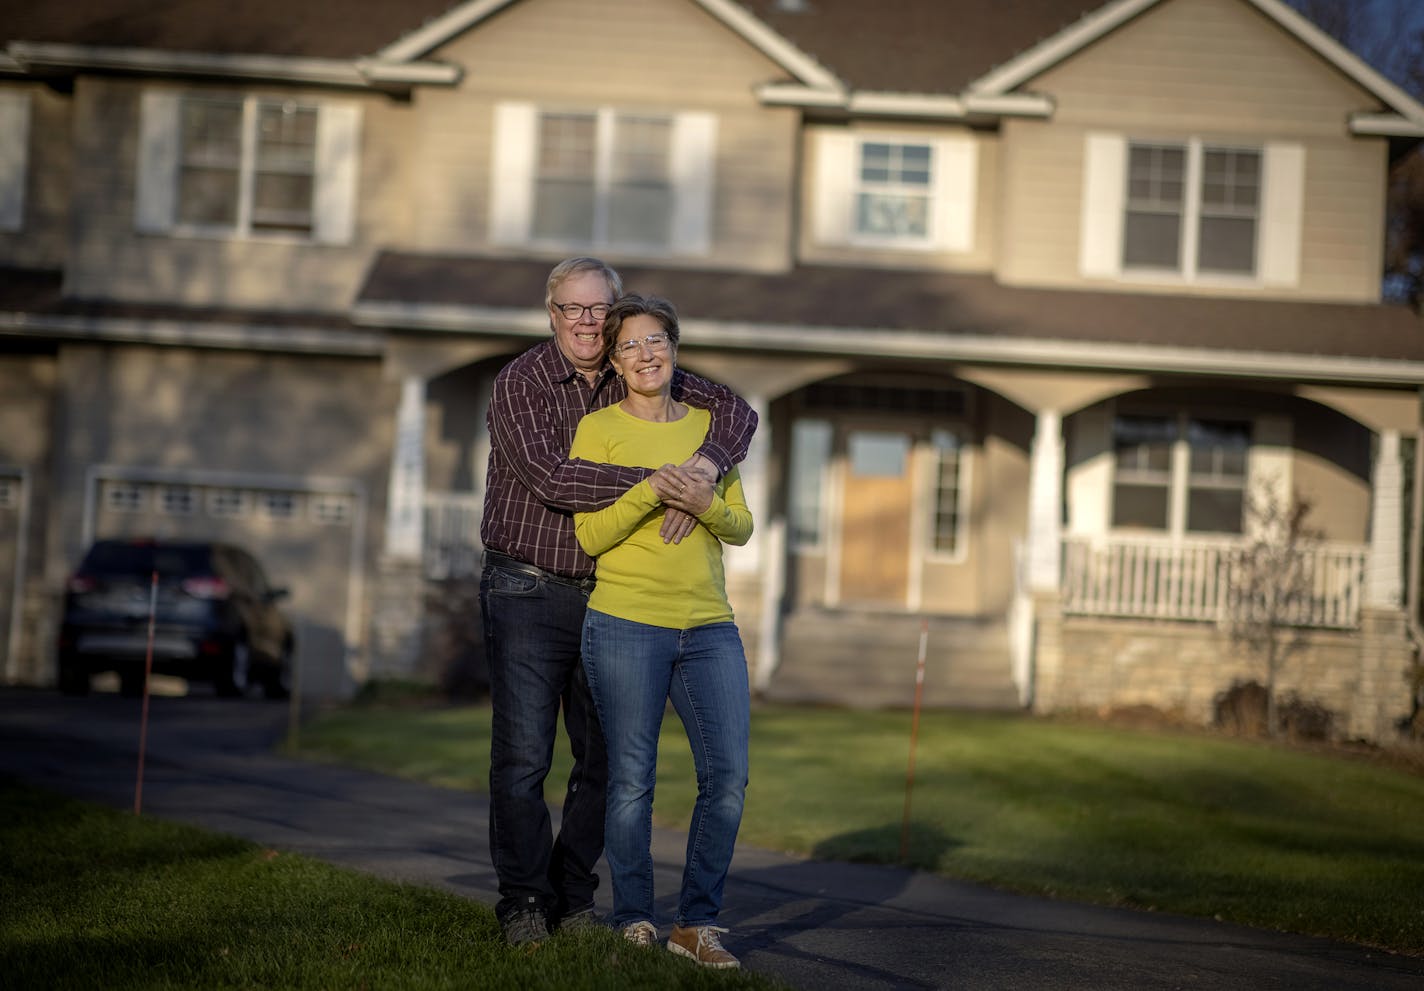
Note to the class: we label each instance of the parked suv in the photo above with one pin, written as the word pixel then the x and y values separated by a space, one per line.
pixel 216 617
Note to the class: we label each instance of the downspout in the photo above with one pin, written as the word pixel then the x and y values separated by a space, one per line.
pixel 1411 584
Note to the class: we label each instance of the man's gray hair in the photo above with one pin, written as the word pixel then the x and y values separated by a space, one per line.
pixel 570 267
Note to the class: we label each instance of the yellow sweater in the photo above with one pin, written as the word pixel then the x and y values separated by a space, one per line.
pixel 640 578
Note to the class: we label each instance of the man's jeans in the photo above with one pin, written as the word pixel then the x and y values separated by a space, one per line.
pixel 532 634
pixel 633 669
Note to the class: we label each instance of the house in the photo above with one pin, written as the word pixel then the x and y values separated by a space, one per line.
pixel 1031 298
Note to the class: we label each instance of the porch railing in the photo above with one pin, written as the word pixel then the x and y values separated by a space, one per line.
pixel 1196 579
pixel 452 535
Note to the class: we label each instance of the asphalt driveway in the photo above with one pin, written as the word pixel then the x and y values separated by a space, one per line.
pixel 816 925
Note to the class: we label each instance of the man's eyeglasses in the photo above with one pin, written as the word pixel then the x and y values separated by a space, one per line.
pixel 575 311
pixel 653 342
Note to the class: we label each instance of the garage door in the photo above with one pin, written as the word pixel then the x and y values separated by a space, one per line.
pixel 305 532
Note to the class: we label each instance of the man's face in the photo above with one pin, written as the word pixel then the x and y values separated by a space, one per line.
pixel 580 340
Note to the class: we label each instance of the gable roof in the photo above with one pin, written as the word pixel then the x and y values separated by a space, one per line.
pixel 929 58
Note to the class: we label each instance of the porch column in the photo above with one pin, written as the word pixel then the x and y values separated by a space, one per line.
pixel 1383 581
pixel 405 512
pixel 1045 505
pixel 753 470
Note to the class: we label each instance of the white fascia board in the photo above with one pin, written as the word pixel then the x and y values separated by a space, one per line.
pixel 797 95
pixel 1010 104
pixel 928 345
pixel 184 333
pixel 439 30
pixel 1385 126
pixel 1053 50
pixel 331 72
pixel 771 44
pixel 414 73
pixel 907 105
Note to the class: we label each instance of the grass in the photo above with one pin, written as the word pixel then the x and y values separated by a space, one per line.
pixel 1247 832
pixel 95 898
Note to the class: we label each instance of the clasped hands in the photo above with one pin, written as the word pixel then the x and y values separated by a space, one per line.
pixel 686 490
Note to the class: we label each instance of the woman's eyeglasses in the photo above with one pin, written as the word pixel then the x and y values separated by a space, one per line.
pixel 653 342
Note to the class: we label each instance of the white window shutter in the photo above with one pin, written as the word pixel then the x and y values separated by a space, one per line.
pixel 338 167
pixel 694 155
pixel 156 184
pixel 956 175
pixel 511 209
pixel 14 159
pixel 1104 192
pixel 1282 207
pixel 833 209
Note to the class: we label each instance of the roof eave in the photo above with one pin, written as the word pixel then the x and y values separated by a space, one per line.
pixel 927 344
pixel 34 58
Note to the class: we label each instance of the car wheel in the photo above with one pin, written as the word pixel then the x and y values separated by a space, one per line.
pixel 278 682
pixel 232 682
pixel 73 678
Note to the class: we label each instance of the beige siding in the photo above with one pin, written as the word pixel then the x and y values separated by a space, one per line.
pixel 112 260
pixel 1216 70
pixel 41 241
pixel 659 55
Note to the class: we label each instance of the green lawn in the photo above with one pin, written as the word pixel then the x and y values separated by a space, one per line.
pixel 1305 841
pixel 95 898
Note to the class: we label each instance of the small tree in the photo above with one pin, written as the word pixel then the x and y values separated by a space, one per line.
pixel 1272 583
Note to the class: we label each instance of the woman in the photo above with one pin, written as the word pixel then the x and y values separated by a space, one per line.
pixel 659 627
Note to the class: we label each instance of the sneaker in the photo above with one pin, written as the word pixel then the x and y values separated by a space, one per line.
pixel 701 943
pixel 580 921
pixel 641 933
pixel 525 926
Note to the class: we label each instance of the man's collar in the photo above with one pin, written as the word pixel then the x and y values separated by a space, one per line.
pixel 563 369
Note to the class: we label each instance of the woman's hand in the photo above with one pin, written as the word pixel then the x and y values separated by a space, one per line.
pixel 688 490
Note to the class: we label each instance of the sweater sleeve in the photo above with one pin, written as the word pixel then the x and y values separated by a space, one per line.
pixel 728 518
pixel 601 529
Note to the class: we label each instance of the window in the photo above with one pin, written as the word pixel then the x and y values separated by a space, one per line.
pixel 122 497
pixel 247 166
pixel 893 198
pixel 602 178
pixel 810 458
pixel 1191 211
pixel 332 510
pixel 14 159
pixel 227 502
pixel 177 500
pixel 1180 474
pixel 277 505
pixel 1192 208
pixel 947 533
pixel 889 190
pixel 9 493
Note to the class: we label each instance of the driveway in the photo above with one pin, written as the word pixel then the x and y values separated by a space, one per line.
pixel 816 925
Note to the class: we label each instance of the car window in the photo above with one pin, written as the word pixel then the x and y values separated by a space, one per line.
pixel 144 559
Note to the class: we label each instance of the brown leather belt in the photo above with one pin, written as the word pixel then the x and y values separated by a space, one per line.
pixel 494 559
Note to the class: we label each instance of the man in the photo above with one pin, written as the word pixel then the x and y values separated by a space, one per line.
pixel 534 591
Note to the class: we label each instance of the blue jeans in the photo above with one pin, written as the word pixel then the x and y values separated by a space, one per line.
pixel 633 670
pixel 532 633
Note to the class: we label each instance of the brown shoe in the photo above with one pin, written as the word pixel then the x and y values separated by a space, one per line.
pixel 702 944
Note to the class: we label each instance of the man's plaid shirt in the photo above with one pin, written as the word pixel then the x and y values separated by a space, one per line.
pixel 533 489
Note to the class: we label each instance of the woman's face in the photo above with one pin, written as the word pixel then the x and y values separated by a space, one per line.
pixel 644 356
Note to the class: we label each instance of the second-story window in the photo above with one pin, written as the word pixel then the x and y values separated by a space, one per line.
pixel 247 165
pixel 894 193
pixel 242 165
pixel 1192 208
pixel 602 178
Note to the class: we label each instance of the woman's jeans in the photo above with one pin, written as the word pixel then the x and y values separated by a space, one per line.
pixel 533 626
pixel 633 670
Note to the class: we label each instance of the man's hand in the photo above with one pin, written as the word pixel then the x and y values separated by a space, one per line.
pixel 686 491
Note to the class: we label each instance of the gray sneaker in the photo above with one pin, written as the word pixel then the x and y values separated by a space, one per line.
pixel 580 921
pixel 525 927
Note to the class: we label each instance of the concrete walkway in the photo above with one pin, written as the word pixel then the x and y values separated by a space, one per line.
pixel 816 925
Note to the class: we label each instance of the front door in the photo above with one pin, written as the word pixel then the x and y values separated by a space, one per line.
pixel 875 532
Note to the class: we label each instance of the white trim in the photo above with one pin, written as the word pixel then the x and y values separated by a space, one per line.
pixel 931 345
pixel 1090 28
pixel 15 116
pixel 796 95
pixel 30 56
pixel 439 30
pixel 187 333
pixel 1101 216
pixel 1385 126
pixel 11 670
pixel 337 172
pixel 156 171
pixel 1279 235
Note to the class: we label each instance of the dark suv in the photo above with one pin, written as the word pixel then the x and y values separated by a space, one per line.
pixel 216 617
